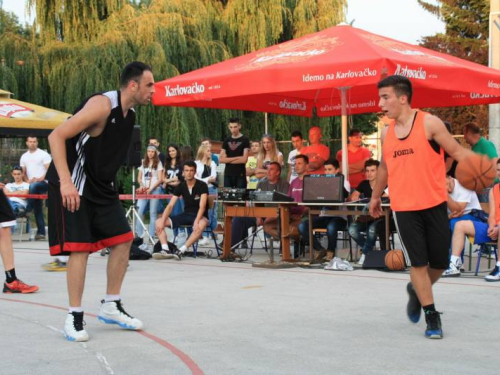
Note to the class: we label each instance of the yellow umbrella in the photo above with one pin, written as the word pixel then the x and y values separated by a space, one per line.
pixel 18 118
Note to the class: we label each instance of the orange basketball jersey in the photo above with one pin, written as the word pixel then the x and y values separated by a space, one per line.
pixel 417 174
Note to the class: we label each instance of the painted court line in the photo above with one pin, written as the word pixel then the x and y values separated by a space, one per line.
pixel 190 364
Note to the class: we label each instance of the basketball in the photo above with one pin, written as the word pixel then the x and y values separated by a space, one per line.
pixel 394 260
pixel 476 172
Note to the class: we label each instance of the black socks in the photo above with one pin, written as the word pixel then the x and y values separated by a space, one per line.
pixel 10 275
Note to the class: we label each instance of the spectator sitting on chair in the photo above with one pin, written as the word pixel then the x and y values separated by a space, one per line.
pixel 365 223
pixel 294 191
pixel 273 182
pixel 331 223
pixel 461 202
pixel 154 141
pixel 35 163
pixel 479 232
pixel 18 187
pixel 195 195
pixel 208 142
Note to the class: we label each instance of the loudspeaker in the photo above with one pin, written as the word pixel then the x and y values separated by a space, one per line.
pixel 375 259
pixel 134 150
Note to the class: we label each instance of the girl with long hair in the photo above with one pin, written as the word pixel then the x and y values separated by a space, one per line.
pixel 150 178
pixel 173 177
pixel 268 153
pixel 206 171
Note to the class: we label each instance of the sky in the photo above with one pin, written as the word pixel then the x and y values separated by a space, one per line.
pixel 403 20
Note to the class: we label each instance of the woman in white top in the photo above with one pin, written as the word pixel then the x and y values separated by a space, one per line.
pixel 150 177
pixel 268 153
pixel 206 171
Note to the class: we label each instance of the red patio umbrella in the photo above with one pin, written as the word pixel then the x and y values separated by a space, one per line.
pixel 334 71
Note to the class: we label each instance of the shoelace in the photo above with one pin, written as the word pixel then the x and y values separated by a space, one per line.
pixel 78 323
pixel 120 308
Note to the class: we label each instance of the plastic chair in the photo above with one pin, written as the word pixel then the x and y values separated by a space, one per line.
pixel 486 248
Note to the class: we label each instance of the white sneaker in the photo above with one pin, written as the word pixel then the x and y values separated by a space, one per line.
pixel 452 271
pixel 73 328
pixel 361 260
pixel 113 313
pixel 204 241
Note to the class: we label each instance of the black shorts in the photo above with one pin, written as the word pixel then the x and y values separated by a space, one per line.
pixel 7 218
pixel 182 219
pixel 92 228
pixel 425 236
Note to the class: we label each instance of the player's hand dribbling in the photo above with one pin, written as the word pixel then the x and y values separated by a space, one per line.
pixel 70 196
pixel 375 207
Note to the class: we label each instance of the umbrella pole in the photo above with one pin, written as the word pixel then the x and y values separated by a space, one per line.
pixel 265 123
pixel 343 102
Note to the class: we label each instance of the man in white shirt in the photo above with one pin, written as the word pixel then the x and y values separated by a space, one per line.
pixel 35 163
pixel 298 144
pixel 17 187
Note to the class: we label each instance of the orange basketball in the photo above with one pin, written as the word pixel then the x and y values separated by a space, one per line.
pixel 394 260
pixel 476 172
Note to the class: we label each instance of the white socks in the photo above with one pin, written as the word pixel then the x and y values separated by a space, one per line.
pixel 75 309
pixel 183 249
pixel 457 261
pixel 111 297
pixel 164 247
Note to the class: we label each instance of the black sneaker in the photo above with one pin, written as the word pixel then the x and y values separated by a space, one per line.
pixel 414 308
pixel 433 320
pixel 178 255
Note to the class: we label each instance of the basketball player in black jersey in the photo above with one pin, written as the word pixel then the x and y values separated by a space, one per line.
pixel 85 214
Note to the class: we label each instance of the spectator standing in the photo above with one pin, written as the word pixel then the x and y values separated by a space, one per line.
pixel 208 142
pixel 251 166
pixel 357 155
pixel 35 163
pixel 234 154
pixel 298 144
pixel 150 177
pixel 268 153
pixel 479 144
pixel 317 153
pixel 206 171
pixel 154 141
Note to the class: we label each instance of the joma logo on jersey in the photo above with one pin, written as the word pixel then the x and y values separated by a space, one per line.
pixel 408 151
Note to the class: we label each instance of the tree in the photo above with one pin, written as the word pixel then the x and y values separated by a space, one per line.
pixel 465 37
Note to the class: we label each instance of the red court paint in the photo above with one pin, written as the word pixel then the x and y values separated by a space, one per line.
pixel 191 365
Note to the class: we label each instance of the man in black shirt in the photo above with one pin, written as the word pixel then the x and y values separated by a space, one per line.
pixel 234 154
pixel 365 223
pixel 195 195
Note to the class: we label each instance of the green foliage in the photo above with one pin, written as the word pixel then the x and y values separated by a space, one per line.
pixel 465 37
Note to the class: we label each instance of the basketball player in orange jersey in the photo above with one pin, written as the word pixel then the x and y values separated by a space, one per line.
pixel 413 167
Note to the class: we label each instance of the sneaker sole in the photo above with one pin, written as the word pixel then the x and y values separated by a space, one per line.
pixel 51 269
pixel 176 257
pixel 159 256
pixel 413 318
pixel 74 339
pixel 434 336
pixel 20 292
pixel 452 275
pixel 491 281
pixel 123 325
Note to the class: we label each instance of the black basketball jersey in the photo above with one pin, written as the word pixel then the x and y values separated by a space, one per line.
pixel 94 161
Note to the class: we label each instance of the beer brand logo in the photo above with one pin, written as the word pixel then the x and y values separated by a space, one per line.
pixel 408 151
pixel 419 73
pixel 299 106
pixel 294 51
pixel 179 90
pixel 11 110
pixel 493 85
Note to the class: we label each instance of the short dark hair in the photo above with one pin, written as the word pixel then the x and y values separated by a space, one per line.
pixel 353 132
pixel 334 162
pixel 305 157
pixel 31 136
pixel 471 127
pixel 205 139
pixel 234 120
pixel 400 84
pixel 150 138
pixel 17 168
pixel 296 133
pixel 189 163
pixel 372 162
pixel 276 164
pixel 133 72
